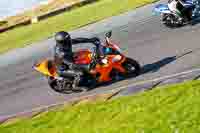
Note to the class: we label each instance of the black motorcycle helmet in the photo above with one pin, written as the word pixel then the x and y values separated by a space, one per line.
pixel 63 39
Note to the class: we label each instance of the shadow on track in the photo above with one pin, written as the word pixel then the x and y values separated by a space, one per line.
pixel 154 67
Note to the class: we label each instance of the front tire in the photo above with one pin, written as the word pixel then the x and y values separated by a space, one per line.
pixel 132 67
pixel 171 21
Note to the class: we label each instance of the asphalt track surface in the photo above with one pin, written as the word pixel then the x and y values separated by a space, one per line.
pixel 140 35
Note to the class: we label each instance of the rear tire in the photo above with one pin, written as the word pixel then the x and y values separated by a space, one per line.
pixel 132 67
pixel 54 85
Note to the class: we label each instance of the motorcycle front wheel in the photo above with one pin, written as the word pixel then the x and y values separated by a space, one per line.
pixel 132 67
pixel 171 21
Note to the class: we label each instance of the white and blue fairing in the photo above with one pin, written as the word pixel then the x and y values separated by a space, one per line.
pixel 161 8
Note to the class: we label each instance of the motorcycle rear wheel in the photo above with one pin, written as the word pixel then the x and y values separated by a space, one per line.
pixel 53 83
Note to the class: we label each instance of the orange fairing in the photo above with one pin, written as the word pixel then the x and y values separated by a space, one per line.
pixel 105 70
pixel 46 67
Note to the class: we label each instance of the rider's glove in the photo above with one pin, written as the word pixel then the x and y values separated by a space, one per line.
pixel 96 41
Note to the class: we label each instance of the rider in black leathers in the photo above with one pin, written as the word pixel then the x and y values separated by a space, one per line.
pixel 64 55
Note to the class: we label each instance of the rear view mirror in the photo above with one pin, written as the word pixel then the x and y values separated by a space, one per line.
pixel 108 34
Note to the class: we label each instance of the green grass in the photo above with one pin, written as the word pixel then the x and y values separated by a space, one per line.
pixel 169 109
pixel 25 35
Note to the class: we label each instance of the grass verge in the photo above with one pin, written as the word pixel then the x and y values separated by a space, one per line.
pixel 25 35
pixel 168 109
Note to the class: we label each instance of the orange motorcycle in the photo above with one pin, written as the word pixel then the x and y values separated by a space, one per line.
pixel 114 66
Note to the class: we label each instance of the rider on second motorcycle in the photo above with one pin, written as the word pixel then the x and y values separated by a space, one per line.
pixel 64 55
pixel 178 7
